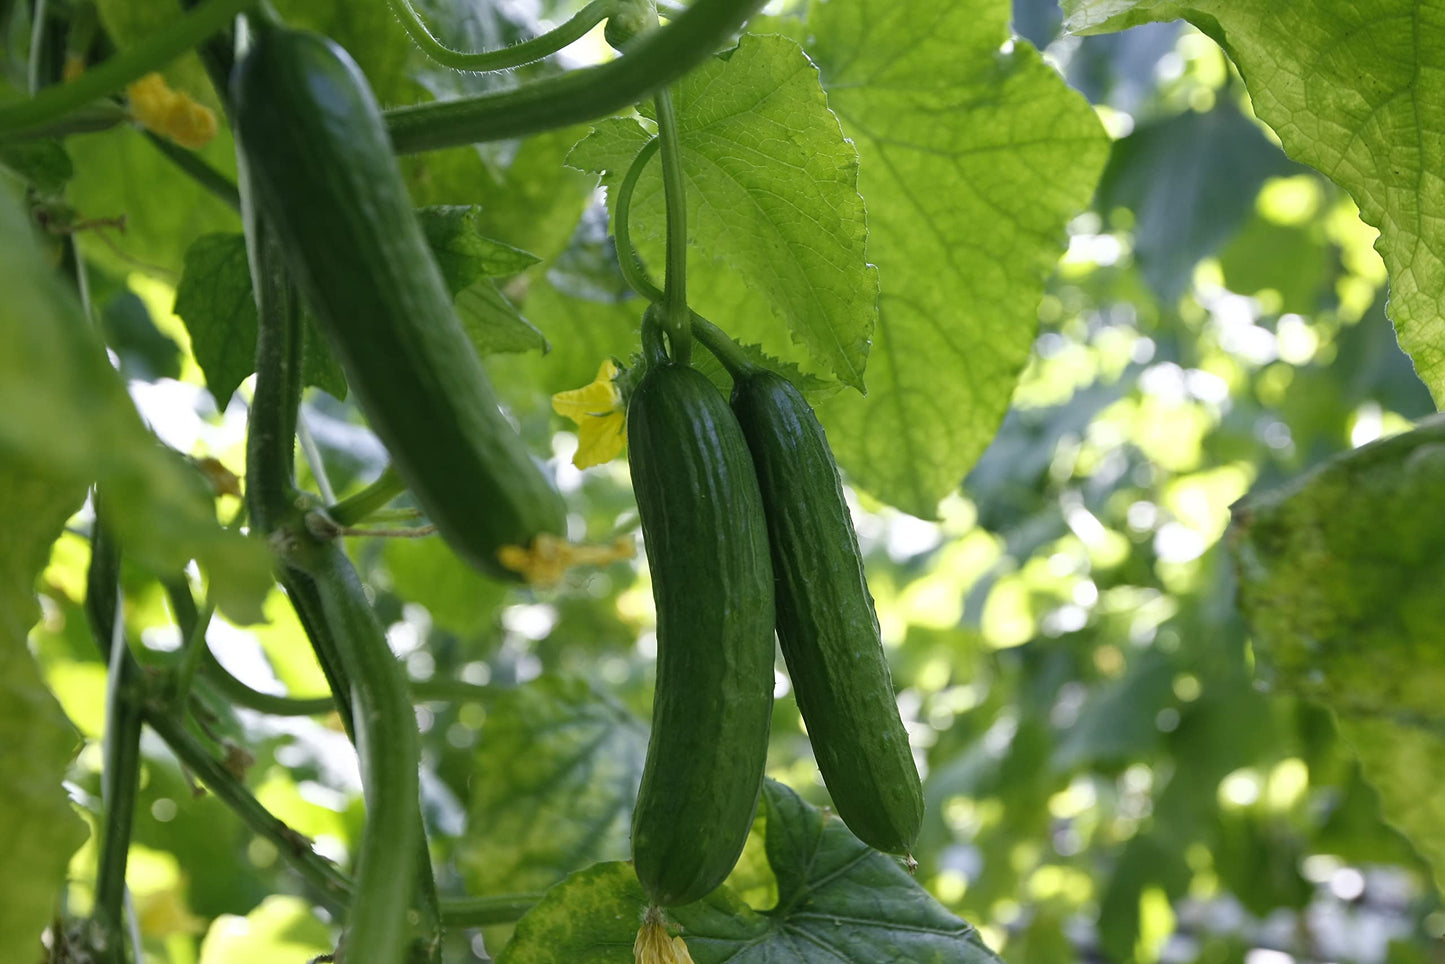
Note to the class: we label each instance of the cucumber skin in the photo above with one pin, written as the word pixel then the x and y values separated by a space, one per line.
pixel 826 622
pixel 321 170
pixel 712 580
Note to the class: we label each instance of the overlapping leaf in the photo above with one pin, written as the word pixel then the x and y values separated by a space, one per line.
pixel 1358 92
pixel 838 900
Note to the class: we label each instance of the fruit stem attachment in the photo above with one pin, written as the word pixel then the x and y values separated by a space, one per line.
pixel 508 57
pixel 152 53
pixel 674 188
pixel 355 508
pixel 727 351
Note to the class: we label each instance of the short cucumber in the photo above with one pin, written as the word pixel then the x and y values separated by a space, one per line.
pixel 826 623
pixel 706 539
pixel 322 173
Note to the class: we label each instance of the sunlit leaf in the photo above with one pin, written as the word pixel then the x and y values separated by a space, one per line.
pixel 1357 91
pixel 972 160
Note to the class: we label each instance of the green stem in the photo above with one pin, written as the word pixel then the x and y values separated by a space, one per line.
pixel 508 57
pixel 634 272
pixel 314 461
pixel 157 50
pixel 271 428
pixel 39 33
pixel 199 171
pixel 240 694
pixel 354 508
pixel 656 59
pixel 485 911
pixel 193 656
pixel 120 774
pixel 652 331
pixel 675 316
pixel 330 884
pixel 715 340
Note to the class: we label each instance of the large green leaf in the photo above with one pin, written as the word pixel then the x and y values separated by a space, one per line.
pixel 838 900
pixel 38 830
pixel 1357 91
pixel 70 417
pixel 775 223
pixel 561 767
pixel 1340 574
pixel 972 159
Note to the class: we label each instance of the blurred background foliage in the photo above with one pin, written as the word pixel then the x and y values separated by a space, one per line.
pixel 1108 777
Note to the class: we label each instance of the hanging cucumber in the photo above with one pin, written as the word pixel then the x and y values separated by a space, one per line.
pixel 826 623
pixel 322 172
pixel 706 539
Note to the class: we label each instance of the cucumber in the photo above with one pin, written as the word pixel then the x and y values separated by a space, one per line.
pixel 826 623
pixel 712 580
pixel 320 167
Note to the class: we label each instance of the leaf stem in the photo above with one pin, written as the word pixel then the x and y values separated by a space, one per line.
pixel 199 171
pixel 675 315
pixel 150 54
pixel 355 508
pixel 508 57
pixel 193 656
pixel 654 60
pixel 634 272
pixel 485 911
pixel 314 461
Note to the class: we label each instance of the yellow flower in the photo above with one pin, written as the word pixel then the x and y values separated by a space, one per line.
pixel 549 558
pixel 601 420
pixel 157 107
pixel 655 946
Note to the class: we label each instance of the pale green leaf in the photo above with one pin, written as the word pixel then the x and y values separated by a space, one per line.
pixel 973 158
pixel 278 929
pixel 72 420
pixel 776 228
pixel 38 830
pixel 1357 91
pixel 838 901
pixel 427 572
pixel 1339 575
pixel 40 163
pixel 562 765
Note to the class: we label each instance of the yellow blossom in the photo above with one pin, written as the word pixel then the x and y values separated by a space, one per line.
pixel 601 420
pixel 655 946
pixel 549 558
pixel 157 107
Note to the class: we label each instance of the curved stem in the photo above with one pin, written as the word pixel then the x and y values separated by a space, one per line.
pixel 157 50
pixel 193 654
pixel 508 57
pixel 652 331
pixel 628 260
pixel 674 188
pixel 727 351
pixel 654 60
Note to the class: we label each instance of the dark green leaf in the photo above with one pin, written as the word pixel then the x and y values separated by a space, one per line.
pixel 214 300
pixel 463 253
pixel 562 765
pixel 838 901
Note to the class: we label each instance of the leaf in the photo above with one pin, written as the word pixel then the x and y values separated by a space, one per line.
pixel 462 252
pixel 1339 575
pixel 214 299
pixel 40 163
pixel 773 205
pixel 38 829
pixel 562 766
pixel 425 571
pixel 280 928
pixel 1192 180
pixel 73 421
pixel 1355 91
pixel 839 900
pixel 972 160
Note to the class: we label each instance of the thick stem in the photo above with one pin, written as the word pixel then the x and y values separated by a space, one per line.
pixel 120 775
pixel 153 53
pixel 355 508
pixel 654 60
pixel 674 188
pixel 271 428
pixel 508 57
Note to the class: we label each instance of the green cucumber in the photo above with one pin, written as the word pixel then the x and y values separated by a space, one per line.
pixel 706 539
pixel 321 170
pixel 826 623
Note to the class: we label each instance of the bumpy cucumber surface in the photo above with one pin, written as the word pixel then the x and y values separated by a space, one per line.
pixel 322 173
pixel 706 539
pixel 826 623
